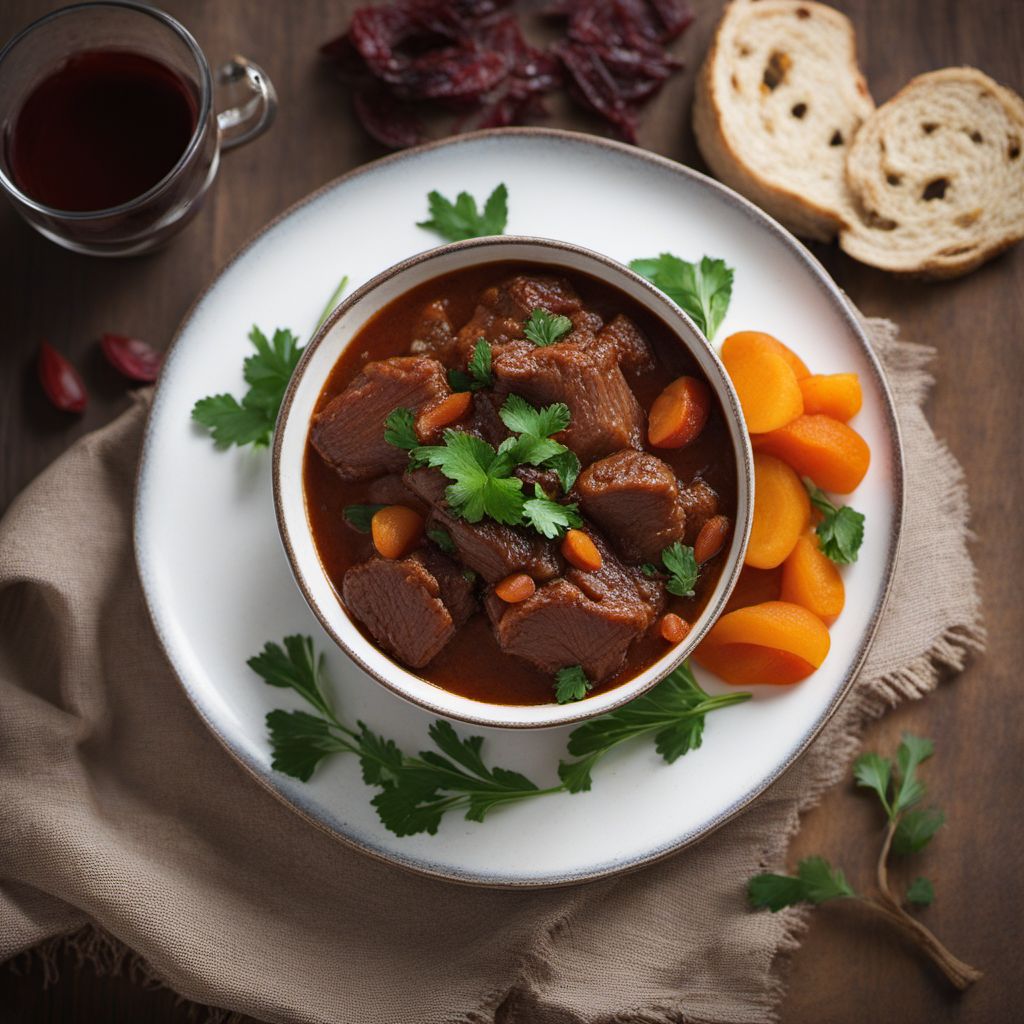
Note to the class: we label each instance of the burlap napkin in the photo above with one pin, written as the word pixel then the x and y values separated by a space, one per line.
pixel 119 810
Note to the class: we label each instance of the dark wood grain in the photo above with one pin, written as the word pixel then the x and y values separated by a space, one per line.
pixel 847 970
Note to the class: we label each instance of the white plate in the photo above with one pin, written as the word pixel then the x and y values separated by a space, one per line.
pixel 219 586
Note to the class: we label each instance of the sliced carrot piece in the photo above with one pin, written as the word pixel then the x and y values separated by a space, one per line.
pixel 579 550
pixel 679 413
pixel 812 581
pixel 767 387
pixel 832 454
pixel 443 413
pixel 673 629
pixel 744 341
pixel 711 538
pixel 776 624
pixel 396 530
pixel 835 394
pixel 515 588
pixel 782 511
pixel 752 665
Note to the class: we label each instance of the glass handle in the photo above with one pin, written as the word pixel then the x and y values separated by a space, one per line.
pixel 254 100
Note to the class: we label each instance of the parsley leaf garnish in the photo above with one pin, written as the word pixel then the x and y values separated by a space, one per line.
pixel 898 788
pixel 479 375
pixel 549 518
pixel 683 572
pixel 360 516
pixel 544 328
pixel 267 373
pixel 673 711
pixel 400 429
pixel 534 445
pixel 519 416
pixel 443 539
pixel 461 219
pixel 841 531
pixel 571 684
pixel 815 882
pixel 702 289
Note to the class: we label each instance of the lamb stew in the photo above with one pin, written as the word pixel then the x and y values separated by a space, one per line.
pixel 485 496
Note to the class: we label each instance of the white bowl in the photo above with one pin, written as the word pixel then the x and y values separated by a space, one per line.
pixel 319 358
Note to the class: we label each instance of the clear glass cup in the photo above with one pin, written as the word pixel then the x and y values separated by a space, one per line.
pixel 148 220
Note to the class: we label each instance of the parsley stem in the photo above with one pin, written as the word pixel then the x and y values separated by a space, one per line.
pixel 332 302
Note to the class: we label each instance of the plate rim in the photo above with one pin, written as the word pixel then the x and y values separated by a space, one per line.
pixel 898 467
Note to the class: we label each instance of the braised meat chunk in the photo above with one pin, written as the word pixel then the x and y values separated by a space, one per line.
pixel 433 335
pixel 400 603
pixel 349 431
pixel 585 618
pixel 632 348
pixel 455 584
pixel 634 498
pixel 700 502
pixel 606 416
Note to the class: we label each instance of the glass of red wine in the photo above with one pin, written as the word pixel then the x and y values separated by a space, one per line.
pixel 109 136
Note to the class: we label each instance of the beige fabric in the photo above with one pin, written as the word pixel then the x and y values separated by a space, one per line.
pixel 118 807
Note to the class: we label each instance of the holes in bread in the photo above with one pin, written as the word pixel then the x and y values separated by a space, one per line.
pixel 802 13
pixel 775 70
pixel 1013 147
pixel 837 138
pixel 735 82
pixel 928 127
pixel 975 137
pixel 965 220
pixel 893 179
pixel 744 50
pixel 935 189
pixel 799 110
pixel 875 220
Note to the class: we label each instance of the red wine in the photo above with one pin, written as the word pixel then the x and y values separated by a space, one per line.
pixel 103 128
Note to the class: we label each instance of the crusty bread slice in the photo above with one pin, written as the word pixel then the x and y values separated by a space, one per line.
pixel 937 176
pixel 778 101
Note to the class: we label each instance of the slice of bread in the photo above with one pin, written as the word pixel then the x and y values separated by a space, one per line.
pixel 937 176
pixel 778 101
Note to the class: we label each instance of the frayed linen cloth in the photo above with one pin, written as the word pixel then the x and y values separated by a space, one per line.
pixel 121 814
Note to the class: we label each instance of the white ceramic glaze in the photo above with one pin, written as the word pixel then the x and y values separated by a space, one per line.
pixel 324 350
pixel 218 582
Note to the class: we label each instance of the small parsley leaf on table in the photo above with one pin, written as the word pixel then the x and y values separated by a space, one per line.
pixel 683 572
pixel 701 289
pixel 359 517
pixel 479 373
pixel 544 328
pixel 461 219
pixel 920 892
pixel 841 530
pixel 267 372
pixel 916 830
pixel 815 882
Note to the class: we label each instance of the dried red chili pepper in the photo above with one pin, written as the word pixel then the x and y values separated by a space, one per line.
pixel 132 357
pixel 61 381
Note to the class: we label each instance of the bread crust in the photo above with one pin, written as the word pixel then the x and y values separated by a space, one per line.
pixel 952 247
pixel 797 211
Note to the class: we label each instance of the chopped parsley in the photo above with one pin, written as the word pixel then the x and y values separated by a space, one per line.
pixel 400 429
pixel 461 219
pixel 479 370
pixel 571 684
pixel 549 518
pixel 544 328
pixel 681 565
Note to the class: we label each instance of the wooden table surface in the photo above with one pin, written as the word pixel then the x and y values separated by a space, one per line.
pixel 847 969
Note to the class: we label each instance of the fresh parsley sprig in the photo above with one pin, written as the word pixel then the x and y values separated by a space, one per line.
pixel 702 289
pixel 479 373
pixel 571 684
pixel 544 328
pixel 461 219
pixel 400 429
pixel 841 530
pixel 267 372
pixel 683 571
pixel 673 711
pixel 908 830
pixel 536 446
pixel 416 791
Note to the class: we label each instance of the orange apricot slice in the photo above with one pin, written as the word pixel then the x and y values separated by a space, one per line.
pixel 835 394
pixel 811 580
pixel 782 511
pixel 832 454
